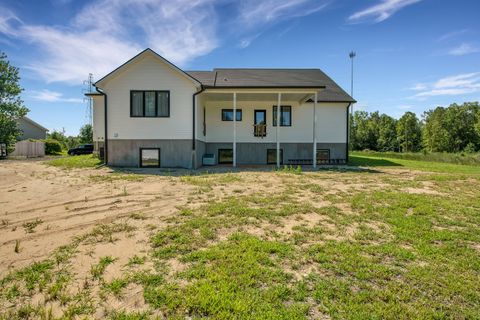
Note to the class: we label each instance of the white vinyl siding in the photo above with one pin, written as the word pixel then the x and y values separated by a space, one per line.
pixel 150 74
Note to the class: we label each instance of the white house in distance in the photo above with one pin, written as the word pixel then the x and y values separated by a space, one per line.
pixel 148 112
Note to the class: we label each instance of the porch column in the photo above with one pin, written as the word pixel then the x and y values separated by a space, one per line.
pixel 234 129
pixel 279 108
pixel 315 131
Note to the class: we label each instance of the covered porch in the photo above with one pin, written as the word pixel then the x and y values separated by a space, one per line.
pixel 239 127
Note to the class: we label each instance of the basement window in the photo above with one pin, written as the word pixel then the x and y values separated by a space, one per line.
pixel 323 156
pixel 225 156
pixel 272 156
pixel 149 157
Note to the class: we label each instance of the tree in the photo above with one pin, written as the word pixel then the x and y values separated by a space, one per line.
pixel 11 106
pixel 364 135
pixel 86 134
pixel 387 134
pixel 452 129
pixel 409 132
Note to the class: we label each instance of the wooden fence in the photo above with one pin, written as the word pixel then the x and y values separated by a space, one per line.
pixel 29 149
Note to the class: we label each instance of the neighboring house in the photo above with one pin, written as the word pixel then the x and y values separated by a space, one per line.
pixel 31 129
pixel 148 112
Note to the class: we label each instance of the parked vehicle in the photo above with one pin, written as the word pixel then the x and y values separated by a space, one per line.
pixel 81 149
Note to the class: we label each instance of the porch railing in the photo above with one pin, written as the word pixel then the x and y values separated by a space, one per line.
pixel 260 130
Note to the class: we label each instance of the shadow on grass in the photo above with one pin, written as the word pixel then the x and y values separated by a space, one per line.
pixel 355 166
pixel 372 162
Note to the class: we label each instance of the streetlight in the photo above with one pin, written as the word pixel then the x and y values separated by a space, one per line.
pixel 352 55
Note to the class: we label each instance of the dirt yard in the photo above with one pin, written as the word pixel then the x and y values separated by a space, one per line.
pixel 135 245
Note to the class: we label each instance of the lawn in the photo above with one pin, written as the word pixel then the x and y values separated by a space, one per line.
pixel 390 239
pixel 71 162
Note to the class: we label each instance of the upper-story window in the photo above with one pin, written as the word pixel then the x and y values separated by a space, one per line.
pixel 150 103
pixel 227 115
pixel 285 116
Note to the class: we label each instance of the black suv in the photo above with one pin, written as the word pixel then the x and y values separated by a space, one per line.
pixel 81 149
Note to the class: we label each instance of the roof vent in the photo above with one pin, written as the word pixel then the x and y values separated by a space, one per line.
pixel 225 79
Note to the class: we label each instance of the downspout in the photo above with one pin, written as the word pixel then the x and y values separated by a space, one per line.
pixel 348 129
pixel 105 143
pixel 194 122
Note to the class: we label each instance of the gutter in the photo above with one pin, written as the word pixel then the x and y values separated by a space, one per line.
pixel 105 143
pixel 348 130
pixel 193 113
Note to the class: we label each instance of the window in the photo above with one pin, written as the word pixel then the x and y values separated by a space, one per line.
pixel 285 116
pixel 149 103
pixel 227 114
pixel 272 156
pixel 323 155
pixel 225 155
pixel 149 157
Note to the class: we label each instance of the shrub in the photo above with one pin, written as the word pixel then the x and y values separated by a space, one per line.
pixel 52 146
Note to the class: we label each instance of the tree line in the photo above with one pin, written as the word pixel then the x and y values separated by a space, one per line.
pixel 455 128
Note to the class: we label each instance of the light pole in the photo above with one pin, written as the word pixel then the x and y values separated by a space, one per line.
pixel 352 55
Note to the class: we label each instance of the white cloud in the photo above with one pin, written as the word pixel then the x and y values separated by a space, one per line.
pixel 453 85
pixel 452 34
pixel 404 107
pixel 419 87
pixel 106 33
pixel 180 30
pixel 257 12
pixel 463 49
pixel 381 11
pixel 52 96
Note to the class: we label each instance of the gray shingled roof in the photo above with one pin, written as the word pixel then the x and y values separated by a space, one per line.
pixel 273 78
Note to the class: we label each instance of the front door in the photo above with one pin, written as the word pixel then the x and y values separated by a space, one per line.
pixel 260 123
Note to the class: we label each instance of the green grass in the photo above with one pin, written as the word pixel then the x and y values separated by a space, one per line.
pixel 386 160
pixel 455 158
pixel 98 269
pixel 72 162
pixel 352 244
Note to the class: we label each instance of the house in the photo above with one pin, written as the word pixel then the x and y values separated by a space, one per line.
pixel 31 130
pixel 150 113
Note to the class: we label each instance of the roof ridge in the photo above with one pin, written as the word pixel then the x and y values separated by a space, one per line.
pixel 266 69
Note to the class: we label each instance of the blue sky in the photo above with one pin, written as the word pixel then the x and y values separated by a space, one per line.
pixel 412 55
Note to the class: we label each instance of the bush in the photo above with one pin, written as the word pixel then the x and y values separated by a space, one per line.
pixel 52 146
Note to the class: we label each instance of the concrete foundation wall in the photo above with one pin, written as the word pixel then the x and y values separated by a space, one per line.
pixel 179 154
pixel 256 153
pixel 173 153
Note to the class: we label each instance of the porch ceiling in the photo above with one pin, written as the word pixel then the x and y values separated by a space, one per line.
pixel 256 96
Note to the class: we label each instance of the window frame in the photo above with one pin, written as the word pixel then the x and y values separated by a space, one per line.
pixel 140 158
pixel 224 162
pixel 239 111
pixel 322 150
pixel 281 156
pixel 274 118
pixel 143 106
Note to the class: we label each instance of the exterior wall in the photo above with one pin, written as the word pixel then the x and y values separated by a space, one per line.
pixel 173 153
pixel 98 119
pixel 149 73
pixel 30 131
pixel 201 149
pixel 331 122
pixel 256 153
pixel 200 107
